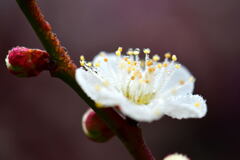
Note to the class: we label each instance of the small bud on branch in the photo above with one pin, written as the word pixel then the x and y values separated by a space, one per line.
pixel 94 127
pixel 25 62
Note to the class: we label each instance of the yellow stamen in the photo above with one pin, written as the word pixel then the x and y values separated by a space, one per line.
pixel 102 54
pixel 130 52
pixel 97 64
pixel 149 63
pixel 146 50
pixel 133 77
pixel 191 79
pixel 151 69
pixel 142 63
pixel 82 63
pixel 136 52
pixel 133 68
pixel 105 60
pixel 120 49
pixel 98 105
pixel 174 57
pixel 159 65
pixel 125 58
pixel 89 64
pixel 97 87
pixel 106 83
pixel 129 69
pixel 167 55
pixel 173 91
pixel 197 104
pixel 147 81
pixel 156 58
pixel 82 58
pixel 177 66
pixel 138 74
pixel 165 64
pixel 118 53
pixel 181 82
pixel 134 63
pixel 141 81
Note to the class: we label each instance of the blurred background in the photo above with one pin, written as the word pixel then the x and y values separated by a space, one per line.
pixel 40 118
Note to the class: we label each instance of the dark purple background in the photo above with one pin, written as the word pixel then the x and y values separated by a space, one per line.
pixel 40 118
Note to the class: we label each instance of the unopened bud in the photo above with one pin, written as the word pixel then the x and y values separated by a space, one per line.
pixel 25 62
pixel 94 128
pixel 176 156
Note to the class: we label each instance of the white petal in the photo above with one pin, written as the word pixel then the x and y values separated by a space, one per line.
pixel 142 113
pixel 174 86
pixel 188 106
pixel 96 90
pixel 176 156
pixel 110 56
pixel 108 69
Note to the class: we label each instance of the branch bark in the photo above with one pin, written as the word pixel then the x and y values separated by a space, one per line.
pixel 62 67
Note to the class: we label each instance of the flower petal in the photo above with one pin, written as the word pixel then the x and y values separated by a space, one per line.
pixel 181 82
pixel 96 89
pixel 142 113
pixel 109 67
pixel 188 106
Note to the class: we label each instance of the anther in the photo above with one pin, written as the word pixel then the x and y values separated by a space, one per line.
pixel 159 65
pixel 174 57
pixel 102 54
pixel 146 50
pixel 165 64
pixel 191 79
pixel 105 60
pixel 149 63
pixel 130 51
pixel 82 58
pixel 89 64
pixel 120 49
pixel 97 64
pixel 98 105
pixel 197 104
pixel 167 55
pixel 136 51
pixel 129 69
pixel 106 83
pixel 147 81
pixel 177 66
pixel 156 58
pixel 181 82
pixel 82 63
pixel 97 87
pixel 150 70
pixel 118 53
pixel 125 58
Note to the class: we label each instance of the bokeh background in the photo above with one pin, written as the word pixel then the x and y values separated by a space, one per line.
pixel 40 118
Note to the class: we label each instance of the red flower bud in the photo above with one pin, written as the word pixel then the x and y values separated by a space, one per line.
pixel 94 128
pixel 25 62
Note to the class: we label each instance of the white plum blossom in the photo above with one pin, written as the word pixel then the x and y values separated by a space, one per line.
pixel 143 90
pixel 176 156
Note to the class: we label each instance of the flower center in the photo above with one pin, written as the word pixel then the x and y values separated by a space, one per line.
pixel 138 80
